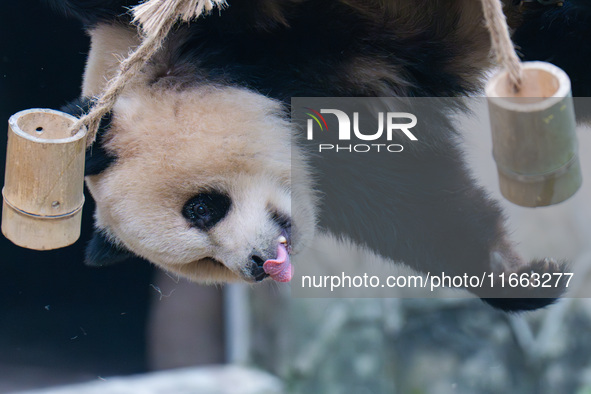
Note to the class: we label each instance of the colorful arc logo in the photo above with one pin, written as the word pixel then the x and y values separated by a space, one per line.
pixel 315 116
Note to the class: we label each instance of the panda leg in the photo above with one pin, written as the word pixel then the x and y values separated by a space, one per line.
pixel 424 209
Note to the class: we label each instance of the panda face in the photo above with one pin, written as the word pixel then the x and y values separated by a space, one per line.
pixel 201 182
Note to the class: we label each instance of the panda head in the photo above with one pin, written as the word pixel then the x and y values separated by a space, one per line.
pixel 197 181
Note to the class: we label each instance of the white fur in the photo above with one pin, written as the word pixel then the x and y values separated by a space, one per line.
pixel 172 143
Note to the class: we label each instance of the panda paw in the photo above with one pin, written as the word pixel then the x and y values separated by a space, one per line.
pixel 545 266
pixel 532 286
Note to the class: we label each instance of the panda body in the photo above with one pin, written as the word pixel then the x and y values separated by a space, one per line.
pixel 206 120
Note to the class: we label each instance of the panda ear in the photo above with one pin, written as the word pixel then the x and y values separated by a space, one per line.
pixel 97 158
pixel 101 252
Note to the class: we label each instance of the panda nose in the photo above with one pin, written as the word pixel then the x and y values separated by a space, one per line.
pixel 256 268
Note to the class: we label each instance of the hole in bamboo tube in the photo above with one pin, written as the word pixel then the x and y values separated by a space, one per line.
pixel 50 125
pixel 541 81
pixel 537 86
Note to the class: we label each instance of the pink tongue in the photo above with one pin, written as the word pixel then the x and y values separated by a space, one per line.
pixel 279 270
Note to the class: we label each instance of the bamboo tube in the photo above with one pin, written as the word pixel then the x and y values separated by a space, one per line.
pixel 534 141
pixel 43 187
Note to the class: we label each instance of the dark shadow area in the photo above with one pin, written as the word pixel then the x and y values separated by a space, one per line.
pixel 58 318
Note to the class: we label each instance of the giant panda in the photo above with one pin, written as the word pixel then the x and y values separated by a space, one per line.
pixel 191 169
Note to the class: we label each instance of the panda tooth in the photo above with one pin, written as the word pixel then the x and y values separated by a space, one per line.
pixel 282 240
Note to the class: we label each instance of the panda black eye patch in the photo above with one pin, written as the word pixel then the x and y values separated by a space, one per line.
pixel 206 209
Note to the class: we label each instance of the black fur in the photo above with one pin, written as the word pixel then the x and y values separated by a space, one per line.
pixel 91 12
pixel 530 298
pixel 562 36
pixel 306 58
pixel 205 210
pixel 303 56
pixel 101 252
pixel 535 296
pixel 97 158
pixel 519 304
pixel 436 217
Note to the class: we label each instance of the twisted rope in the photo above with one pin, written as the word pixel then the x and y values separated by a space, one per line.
pixel 156 18
pixel 502 45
